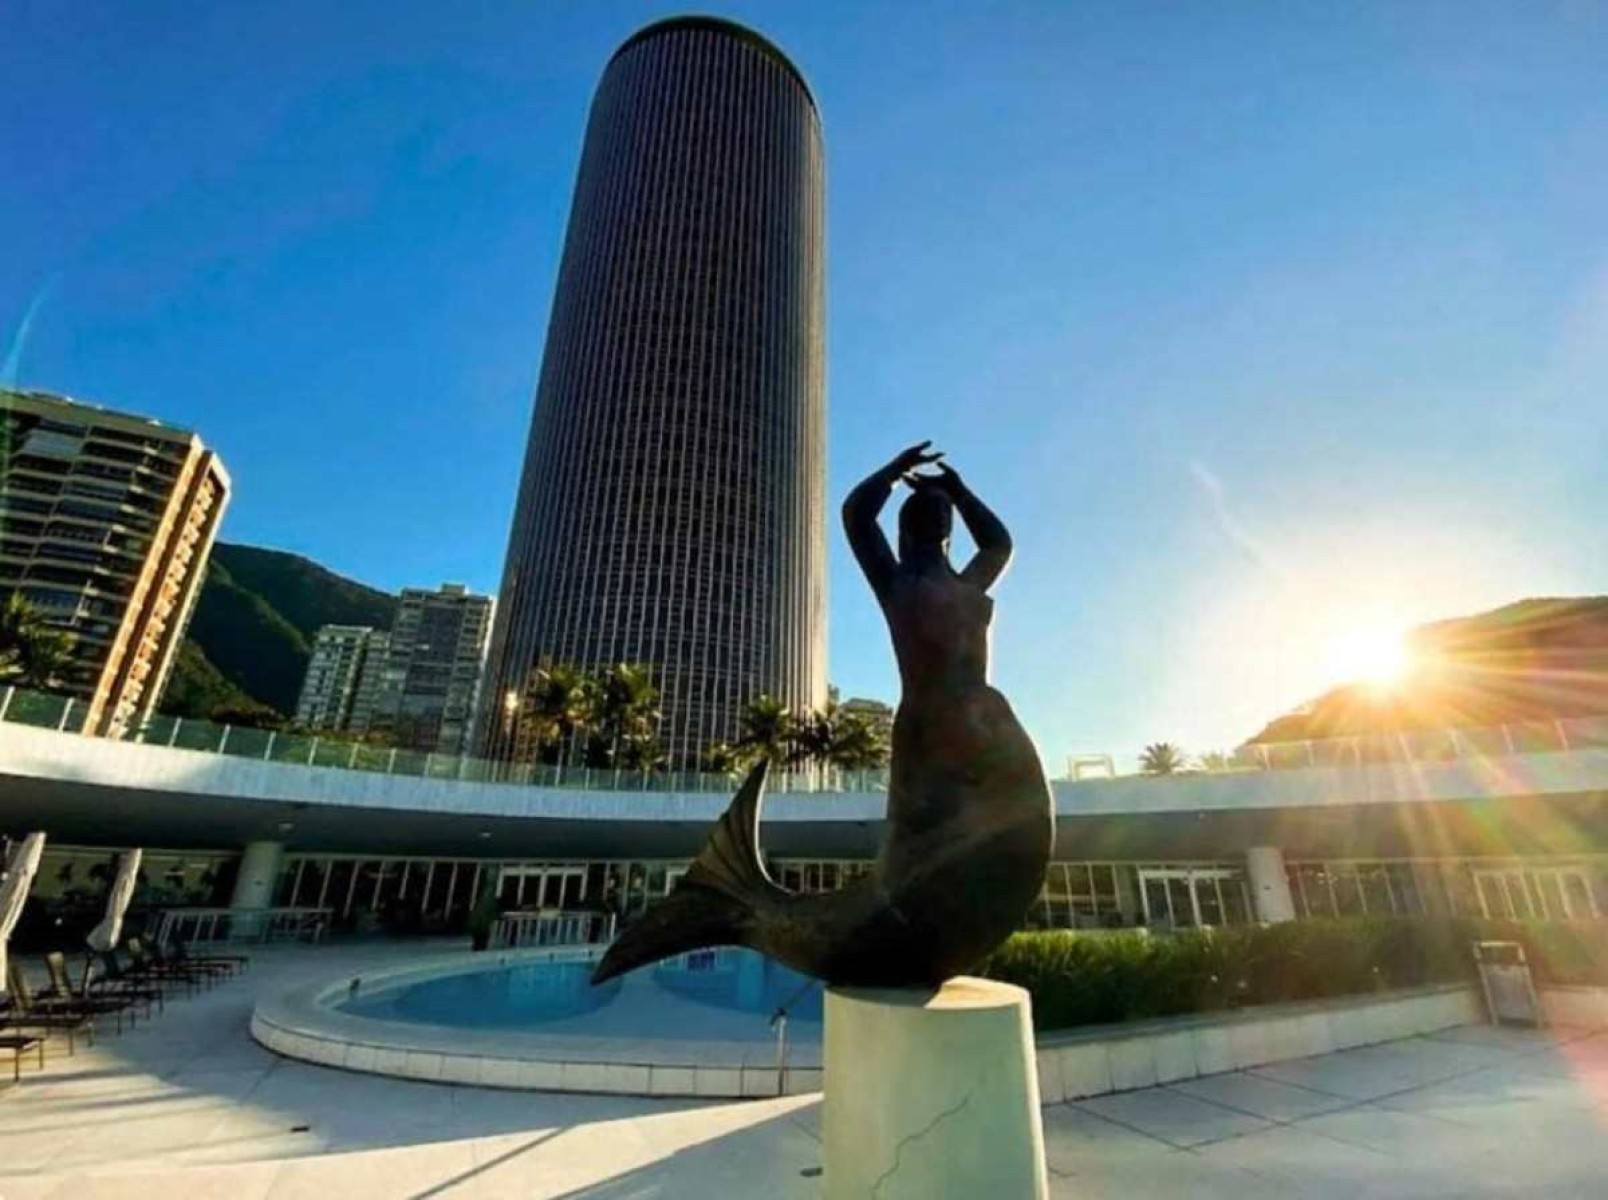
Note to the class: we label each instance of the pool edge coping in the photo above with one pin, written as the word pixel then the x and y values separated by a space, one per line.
pixel 300 1023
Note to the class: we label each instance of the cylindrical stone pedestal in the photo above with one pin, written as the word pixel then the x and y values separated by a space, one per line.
pixel 932 1094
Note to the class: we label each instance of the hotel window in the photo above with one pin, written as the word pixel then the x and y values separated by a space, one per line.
pixel 1348 895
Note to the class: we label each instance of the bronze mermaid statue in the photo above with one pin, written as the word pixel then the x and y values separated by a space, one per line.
pixel 970 822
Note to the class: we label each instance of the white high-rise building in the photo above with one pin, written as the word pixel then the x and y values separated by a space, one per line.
pixel 106 523
pixel 431 685
pixel 344 657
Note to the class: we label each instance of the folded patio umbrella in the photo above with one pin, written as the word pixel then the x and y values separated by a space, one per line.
pixel 104 936
pixel 20 870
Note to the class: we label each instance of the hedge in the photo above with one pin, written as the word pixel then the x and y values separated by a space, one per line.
pixel 1097 978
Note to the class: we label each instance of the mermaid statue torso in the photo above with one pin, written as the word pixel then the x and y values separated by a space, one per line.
pixel 970 820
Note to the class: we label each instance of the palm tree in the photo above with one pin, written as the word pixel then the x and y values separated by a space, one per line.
pixel 1215 760
pixel 33 654
pixel 723 759
pixel 857 744
pixel 533 728
pixel 627 716
pixel 560 706
pixel 1161 758
pixel 639 752
pixel 841 738
pixel 813 734
pixel 769 730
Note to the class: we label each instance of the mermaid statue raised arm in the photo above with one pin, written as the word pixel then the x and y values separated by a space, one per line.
pixel 970 822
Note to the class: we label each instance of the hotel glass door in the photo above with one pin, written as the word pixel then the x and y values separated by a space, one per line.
pixel 1536 894
pixel 1185 898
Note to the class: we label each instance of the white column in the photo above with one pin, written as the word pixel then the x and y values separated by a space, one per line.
pixel 932 1094
pixel 254 886
pixel 1270 886
pixel 259 872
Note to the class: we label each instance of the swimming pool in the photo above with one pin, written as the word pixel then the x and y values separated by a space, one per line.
pixel 548 994
pixel 702 1024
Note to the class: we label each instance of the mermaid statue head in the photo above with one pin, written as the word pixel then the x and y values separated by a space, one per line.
pixel 925 520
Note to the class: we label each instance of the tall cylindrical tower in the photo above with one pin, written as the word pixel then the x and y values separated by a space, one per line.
pixel 672 507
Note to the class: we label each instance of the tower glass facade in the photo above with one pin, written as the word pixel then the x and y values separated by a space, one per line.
pixel 671 510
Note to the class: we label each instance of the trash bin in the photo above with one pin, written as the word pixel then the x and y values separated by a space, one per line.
pixel 1509 991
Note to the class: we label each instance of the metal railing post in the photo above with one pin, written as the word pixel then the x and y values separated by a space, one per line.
pixel 390 762
pixel 173 737
pixel 781 1052
pixel 1563 734
pixel 312 751
pixel 223 739
pixel 268 750
pixel 5 703
pixel 351 759
pixel 66 711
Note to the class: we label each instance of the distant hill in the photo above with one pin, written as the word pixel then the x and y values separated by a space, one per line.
pixel 253 627
pixel 196 688
pixel 1535 660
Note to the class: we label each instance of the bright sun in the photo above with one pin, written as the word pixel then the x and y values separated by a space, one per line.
pixel 1376 656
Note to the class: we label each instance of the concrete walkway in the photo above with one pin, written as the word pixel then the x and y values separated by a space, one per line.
pixel 188 1106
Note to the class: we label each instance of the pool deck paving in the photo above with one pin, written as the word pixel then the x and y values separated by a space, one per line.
pixel 188 1106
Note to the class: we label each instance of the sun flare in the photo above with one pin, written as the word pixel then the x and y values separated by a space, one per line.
pixel 1374 656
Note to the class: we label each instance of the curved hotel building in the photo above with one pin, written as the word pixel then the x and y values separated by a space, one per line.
pixel 671 511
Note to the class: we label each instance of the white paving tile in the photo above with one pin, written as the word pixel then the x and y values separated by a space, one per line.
pixel 1171 1116
pixel 1402 1135
pixel 1303 1163
pixel 1263 1098
pixel 435 1169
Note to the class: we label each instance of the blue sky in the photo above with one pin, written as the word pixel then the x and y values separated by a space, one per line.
pixel 1260 324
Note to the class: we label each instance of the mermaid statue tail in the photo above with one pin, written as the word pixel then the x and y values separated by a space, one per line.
pixel 716 903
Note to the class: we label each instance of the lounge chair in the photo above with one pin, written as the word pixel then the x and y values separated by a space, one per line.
pixel 115 977
pixel 142 966
pixel 61 988
pixel 21 1018
pixel 53 1001
pixel 200 968
pixel 19 1044
pixel 181 955
pixel 142 969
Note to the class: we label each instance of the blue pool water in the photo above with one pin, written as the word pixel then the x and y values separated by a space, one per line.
pixel 742 980
pixel 501 998
pixel 530 995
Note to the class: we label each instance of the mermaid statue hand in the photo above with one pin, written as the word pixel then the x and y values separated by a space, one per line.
pixel 947 481
pixel 906 461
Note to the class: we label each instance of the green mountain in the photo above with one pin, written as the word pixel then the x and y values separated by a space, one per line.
pixel 253 627
pixel 196 688
pixel 1535 660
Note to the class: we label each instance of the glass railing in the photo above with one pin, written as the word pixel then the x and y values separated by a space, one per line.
pixel 22 707
pixel 43 710
pixel 19 706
